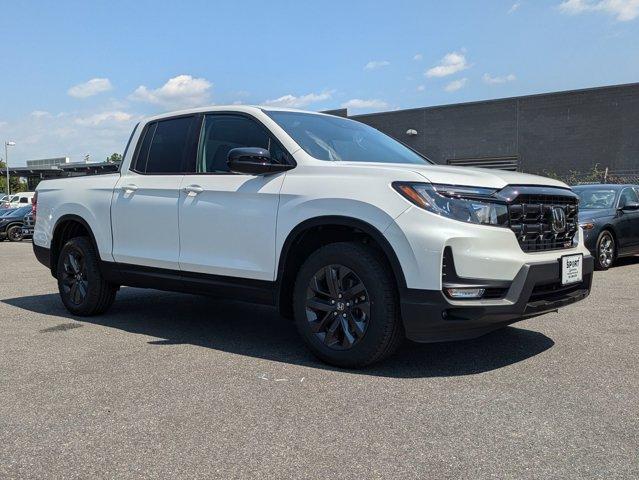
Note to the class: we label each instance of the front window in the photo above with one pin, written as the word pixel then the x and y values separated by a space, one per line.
pixel 339 139
pixel 596 198
pixel 628 196
pixel 221 133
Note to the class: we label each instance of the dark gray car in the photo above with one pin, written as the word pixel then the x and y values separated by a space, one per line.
pixel 609 215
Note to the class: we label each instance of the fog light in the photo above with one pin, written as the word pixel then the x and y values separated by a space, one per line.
pixel 465 292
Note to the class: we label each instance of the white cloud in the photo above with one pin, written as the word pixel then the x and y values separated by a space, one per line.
pixel 358 103
pixel 182 91
pixel 418 57
pixel 90 88
pixel 490 80
pixel 40 114
pixel 291 101
pixel 451 63
pixel 515 6
pixel 421 88
pixel 102 117
pixel 98 133
pixel 623 10
pixel 375 64
pixel 456 85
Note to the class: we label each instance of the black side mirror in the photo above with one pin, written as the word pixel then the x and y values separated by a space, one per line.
pixel 254 161
pixel 631 206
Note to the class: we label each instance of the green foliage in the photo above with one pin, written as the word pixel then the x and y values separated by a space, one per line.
pixel 114 158
pixel 15 183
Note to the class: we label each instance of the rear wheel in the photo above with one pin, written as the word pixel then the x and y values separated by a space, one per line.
pixel 82 288
pixel 14 234
pixel 345 305
pixel 606 250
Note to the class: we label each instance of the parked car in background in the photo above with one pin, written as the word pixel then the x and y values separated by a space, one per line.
pixel 11 224
pixel 609 216
pixel 27 225
pixel 6 211
pixel 18 200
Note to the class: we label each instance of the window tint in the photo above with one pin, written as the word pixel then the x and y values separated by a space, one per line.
pixel 222 133
pixel 628 196
pixel 143 153
pixel 164 146
pixel 24 200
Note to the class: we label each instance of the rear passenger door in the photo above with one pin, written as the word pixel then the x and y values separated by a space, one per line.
pixel 227 220
pixel 144 210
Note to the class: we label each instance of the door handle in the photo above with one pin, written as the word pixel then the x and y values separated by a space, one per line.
pixel 129 188
pixel 193 189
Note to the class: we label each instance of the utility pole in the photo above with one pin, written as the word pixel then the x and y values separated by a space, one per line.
pixel 6 162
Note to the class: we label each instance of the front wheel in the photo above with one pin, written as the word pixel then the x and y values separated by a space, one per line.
pixel 606 250
pixel 14 234
pixel 345 305
pixel 82 288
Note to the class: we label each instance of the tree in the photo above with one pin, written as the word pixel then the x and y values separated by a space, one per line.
pixel 114 158
pixel 16 184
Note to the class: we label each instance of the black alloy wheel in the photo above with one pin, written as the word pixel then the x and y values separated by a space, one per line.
pixel 14 234
pixel 83 289
pixel 346 305
pixel 74 282
pixel 337 307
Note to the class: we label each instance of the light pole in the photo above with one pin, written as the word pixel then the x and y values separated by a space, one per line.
pixel 6 162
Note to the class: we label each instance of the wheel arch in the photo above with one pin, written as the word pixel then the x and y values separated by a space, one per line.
pixel 66 227
pixel 298 243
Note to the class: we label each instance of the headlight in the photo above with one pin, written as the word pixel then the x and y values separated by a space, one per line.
pixel 587 225
pixel 466 204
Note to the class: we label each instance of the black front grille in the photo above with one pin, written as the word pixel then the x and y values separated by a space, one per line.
pixel 531 218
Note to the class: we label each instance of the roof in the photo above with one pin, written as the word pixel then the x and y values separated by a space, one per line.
pixel 251 109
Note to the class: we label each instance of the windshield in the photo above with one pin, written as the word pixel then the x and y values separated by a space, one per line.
pixel 338 139
pixel 596 198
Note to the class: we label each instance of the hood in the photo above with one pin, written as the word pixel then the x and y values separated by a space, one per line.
pixel 594 214
pixel 481 177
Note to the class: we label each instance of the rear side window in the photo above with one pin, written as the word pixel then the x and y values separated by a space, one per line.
pixel 165 146
pixel 24 200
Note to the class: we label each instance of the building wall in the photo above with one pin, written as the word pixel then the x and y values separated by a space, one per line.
pixel 555 132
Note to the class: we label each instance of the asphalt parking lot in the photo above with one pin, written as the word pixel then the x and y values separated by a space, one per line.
pixel 170 385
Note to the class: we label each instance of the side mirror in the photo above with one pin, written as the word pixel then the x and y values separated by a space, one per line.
pixel 631 206
pixel 254 161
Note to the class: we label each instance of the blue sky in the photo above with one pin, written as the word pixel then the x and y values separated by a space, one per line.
pixel 76 76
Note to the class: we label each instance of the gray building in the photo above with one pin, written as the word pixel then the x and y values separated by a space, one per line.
pixel 47 162
pixel 547 133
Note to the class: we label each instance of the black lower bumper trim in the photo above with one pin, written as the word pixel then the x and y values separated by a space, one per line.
pixel 430 317
pixel 43 255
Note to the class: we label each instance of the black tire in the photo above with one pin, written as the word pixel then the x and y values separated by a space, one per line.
pixel 92 294
pixel 14 233
pixel 378 316
pixel 606 250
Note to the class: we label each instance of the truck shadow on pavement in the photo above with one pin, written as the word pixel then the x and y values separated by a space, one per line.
pixel 258 331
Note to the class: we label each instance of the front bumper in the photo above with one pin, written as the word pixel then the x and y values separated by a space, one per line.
pixel 429 316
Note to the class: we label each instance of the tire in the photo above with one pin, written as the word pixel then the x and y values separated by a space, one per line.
pixel 92 294
pixel 367 309
pixel 606 250
pixel 14 233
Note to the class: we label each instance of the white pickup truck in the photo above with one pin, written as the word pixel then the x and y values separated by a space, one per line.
pixel 360 239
